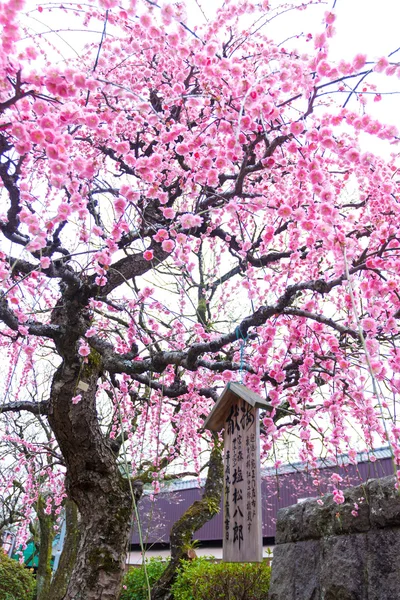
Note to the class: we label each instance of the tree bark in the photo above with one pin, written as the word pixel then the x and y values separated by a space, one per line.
pixel 69 552
pixel 191 521
pixel 93 482
pixel 46 536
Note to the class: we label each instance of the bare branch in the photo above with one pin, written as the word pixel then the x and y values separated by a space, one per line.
pixel 36 408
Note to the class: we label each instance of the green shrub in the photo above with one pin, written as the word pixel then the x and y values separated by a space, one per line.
pixel 134 583
pixel 16 582
pixel 202 579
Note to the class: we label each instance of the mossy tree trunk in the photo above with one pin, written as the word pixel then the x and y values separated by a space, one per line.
pixel 94 482
pixel 46 537
pixel 93 478
pixel 197 515
pixel 69 552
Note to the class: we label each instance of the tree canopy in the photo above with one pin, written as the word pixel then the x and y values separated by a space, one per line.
pixel 182 206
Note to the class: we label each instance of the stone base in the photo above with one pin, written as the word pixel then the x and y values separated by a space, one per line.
pixel 332 562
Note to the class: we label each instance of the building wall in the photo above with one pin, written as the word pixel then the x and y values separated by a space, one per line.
pixel 280 489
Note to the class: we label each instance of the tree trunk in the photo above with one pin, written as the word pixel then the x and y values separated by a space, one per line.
pixel 191 521
pixel 93 482
pixel 46 536
pixel 69 552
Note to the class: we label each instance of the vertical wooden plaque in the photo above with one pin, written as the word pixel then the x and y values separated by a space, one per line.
pixel 242 541
pixel 237 411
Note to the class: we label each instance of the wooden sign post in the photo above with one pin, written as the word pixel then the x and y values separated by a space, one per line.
pixel 236 411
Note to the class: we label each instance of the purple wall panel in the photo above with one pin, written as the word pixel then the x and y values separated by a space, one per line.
pixel 157 516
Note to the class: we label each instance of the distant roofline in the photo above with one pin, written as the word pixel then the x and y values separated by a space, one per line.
pixel 323 463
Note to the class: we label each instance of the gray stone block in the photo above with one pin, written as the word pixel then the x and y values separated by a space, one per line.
pixel 384 502
pixel 295 571
pixel 289 526
pixel 282 585
pixel 318 520
pixel 332 519
pixel 382 564
pixel 325 553
pixel 342 576
pixel 345 522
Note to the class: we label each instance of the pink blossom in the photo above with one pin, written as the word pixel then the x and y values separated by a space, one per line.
pixel 77 399
pixel 58 168
pixel 168 245
pixel 316 176
pixel 189 220
pixel 319 40
pixel 32 221
pixel 167 12
pixel 148 255
pixel 84 349
pixel 103 258
pixel 40 107
pixel 90 332
pixel 381 64
pixel 79 80
pixel 323 68
pixel 64 211
pixel 227 375
pixel 284 211
pixel 168 213
pixel 338 496
pixel 305 435
pixel 145 20
pixel 92 121
pixel 101 280
pixel 326 209
pixel 45 262
pixel 155 161
pixel 19 131
pixel 369 324
pixel 162 234
pixel 296 128
pixel 122 148
pixel 336 478
pixel 353 155
pixel 120 205
pixel 330 18
pixel 359 61
pixel 182 149
pixel 37 136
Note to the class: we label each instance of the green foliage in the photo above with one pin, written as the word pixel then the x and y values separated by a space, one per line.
pixel 135 584
pixel 213 506
pixel 202 579
pixel 16 582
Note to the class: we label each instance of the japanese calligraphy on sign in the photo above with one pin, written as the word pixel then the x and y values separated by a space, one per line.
pixel 237 412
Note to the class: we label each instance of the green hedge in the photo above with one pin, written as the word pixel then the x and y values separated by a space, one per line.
pixel 16 582
pixel 202 579
pixel 134 585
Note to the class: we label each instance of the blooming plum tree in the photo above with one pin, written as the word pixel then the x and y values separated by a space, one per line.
pixel 181 205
